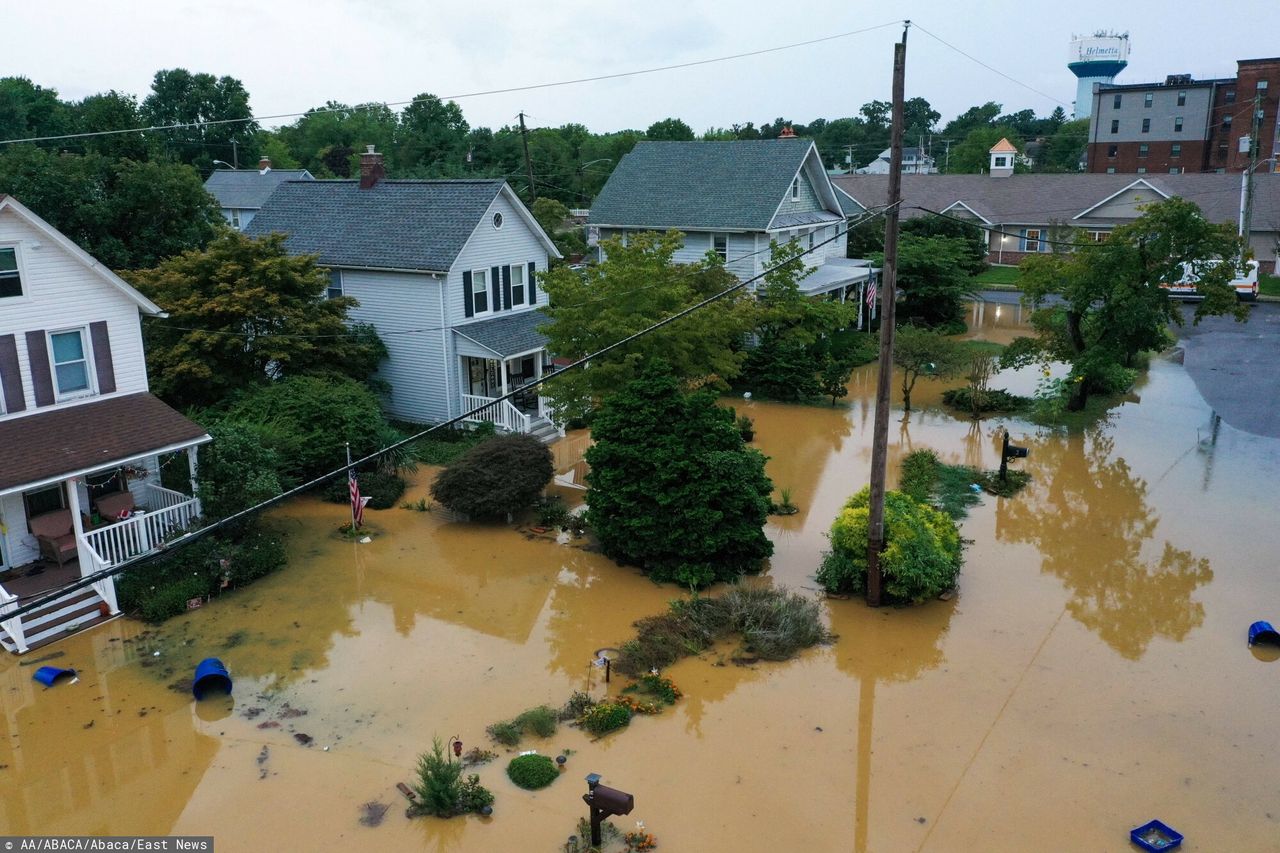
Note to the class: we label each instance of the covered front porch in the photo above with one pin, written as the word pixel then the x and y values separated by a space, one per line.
pixel 57 529
pixel 497 357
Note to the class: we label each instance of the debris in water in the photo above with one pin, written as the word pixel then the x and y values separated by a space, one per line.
pixel 303 739
pixel 408 794
pixel 269 724
pixel 250 713
pixel 50 656
pixel 289 713
pixel 817 728
pixel 264 755
pixel 372 813
pixel 88 725
pixel 365 540
pixel 947 596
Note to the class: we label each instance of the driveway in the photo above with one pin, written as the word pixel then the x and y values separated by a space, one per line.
pixel 1236 366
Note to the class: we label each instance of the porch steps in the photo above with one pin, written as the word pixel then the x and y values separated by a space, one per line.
pixel 543 430
pixel 68 614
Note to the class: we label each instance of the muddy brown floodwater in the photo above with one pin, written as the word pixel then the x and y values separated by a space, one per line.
pixel 1090 675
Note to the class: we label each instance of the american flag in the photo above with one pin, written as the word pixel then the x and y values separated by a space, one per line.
pixel 871 293
pixel 357 502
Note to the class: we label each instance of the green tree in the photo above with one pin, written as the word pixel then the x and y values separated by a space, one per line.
pixel 834 378
pixel 326 139
pixel 239 468
pixel 496 478
pixel 672 487
pixel 932 278
pixel 670 129
pixel 636 285
pixel 181 97
pixel 553 216
pixel 1064 149
pixel 28 110
pixel 1111 307
pixel 917 351
pixel 110 111
pixel 432 138
pixel 126 214
pixel 972 119
pixel 973 154
pixel 241 311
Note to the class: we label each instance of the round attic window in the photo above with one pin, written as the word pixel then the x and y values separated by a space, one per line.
pixel 497 220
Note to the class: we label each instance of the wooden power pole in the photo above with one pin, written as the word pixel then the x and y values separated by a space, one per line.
pixel 888 295
pixel 528 164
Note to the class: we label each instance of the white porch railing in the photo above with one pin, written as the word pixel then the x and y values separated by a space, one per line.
pixel 168 513
pixel 11 625
pixel 502 413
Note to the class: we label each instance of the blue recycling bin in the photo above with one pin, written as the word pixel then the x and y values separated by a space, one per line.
pixel 1262 632
pixel 49 675
pixel 211 675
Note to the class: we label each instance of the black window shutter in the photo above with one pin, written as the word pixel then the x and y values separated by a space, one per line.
pixel 10 378
pixel 41 378
pixel 506 287
pixel 102 362
pixel 467 307
pixel 495 285
pixel 532 288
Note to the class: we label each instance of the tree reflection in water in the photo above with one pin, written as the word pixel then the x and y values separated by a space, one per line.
pixel 1088 515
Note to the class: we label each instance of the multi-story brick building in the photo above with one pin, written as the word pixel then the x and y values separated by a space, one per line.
pixel 1185 125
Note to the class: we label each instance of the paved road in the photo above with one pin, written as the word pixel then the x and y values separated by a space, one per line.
pixel 1236 367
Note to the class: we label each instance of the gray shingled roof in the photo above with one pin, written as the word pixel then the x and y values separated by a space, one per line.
pixel 412 225
pixel 508 334
pixel 1042 199
pixel 248 189
pixel 700 184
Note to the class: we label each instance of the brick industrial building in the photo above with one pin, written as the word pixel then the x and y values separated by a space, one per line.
pixel 1184 125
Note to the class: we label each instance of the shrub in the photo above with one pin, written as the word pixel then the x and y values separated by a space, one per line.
pixel 605 717
pixel 746 428
pixel 782 370
pixel 672 487
pixel 439 783
pixel 576 706
pixel 472 796
pixel 991 400
pixel 505 733
pixel 922 552
pixel 382 489
pixel 774 624
pixel 658 686
pixel 496 478
pixel 443 446
pixel 540 721
pixel 551 512
pixel 532 771
pixel 238 468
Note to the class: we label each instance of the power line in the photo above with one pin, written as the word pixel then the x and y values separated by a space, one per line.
pixel 482 93
pixel 973 58
pixel 192 535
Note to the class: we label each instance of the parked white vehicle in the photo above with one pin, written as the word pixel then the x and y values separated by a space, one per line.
pixel 1245 283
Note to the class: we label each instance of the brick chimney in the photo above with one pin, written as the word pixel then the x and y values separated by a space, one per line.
pixel 371 170
pixel 787 133
pixel 264 165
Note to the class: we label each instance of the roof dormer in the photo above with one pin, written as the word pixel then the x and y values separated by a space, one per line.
pixel 1002 156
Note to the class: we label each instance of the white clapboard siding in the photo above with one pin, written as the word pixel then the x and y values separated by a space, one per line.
pixel 405 309
pixel 514 243
pixel 59 292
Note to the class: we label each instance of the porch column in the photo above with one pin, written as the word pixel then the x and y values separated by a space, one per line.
pixel 192 467
pixel 537 374
pixel 77 525
pixel 502 366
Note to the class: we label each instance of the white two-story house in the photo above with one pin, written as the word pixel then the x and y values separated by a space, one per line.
pixel 242 192
pixel 446 271
pixel 733 198
pixel 81 439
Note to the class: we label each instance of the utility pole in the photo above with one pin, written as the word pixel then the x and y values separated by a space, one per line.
pixel 946 166
pixel 235 155
pixel 528 164
pixel 888 293
pixel 1246 215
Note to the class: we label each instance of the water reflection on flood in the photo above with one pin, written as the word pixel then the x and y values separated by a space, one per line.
pixel 1090 674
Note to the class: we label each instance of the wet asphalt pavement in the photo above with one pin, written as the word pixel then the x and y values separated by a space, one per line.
pixel 1236 366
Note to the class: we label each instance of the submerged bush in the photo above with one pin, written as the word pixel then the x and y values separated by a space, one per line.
pixel 540 721
pixel 381 488
pixel 922 554
pixel 505 733
pixel 532 771
pixel 605 717
pixel 989 400
pixel 500 476
pixel 774 624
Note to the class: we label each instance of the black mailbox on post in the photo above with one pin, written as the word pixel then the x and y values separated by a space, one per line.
pixel 605 802
pixel 1009 451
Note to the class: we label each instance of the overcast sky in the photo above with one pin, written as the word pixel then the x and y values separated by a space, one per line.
pixel 295 54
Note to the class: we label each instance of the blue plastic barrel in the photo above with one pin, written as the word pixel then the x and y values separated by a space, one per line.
pixel 1262 632
pixel 210 675
pixel 48 675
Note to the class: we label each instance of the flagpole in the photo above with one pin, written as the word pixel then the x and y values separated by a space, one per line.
pixel 349 500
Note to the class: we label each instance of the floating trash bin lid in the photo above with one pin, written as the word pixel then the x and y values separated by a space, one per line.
pixel 1262 632
pixel 210 675
pixel 48 675
pixel 1156 836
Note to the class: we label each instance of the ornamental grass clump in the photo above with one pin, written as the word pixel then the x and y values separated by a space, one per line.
pixel 532 771
pixel 604 717
pixel 922 554
pixel 540 721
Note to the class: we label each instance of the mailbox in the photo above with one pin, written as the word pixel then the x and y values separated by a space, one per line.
pixel 1016 452
pixel 611 800
pixel 1009 451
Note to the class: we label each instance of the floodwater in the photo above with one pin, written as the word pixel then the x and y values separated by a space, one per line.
pixel 1091 674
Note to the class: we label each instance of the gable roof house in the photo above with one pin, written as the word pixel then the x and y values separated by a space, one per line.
pixel 81 439
pixel 242 192
pixel 445 271
pixel 1018 212
pixel 733 198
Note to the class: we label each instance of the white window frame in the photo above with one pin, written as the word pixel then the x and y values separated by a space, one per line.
pixel 86 350
pixel 795 188
pixel 1002 162
pixel 234 218
pixel 811 240
pixel 714 236
pixel 1099 236
pixel 1028 240
pixel 335 276
pixel 1148 99
pixel 1177 124
pixel 519 270
pixel 478 275
pixel 23 281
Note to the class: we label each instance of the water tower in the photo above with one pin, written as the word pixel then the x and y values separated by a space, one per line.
pixel 1096 59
